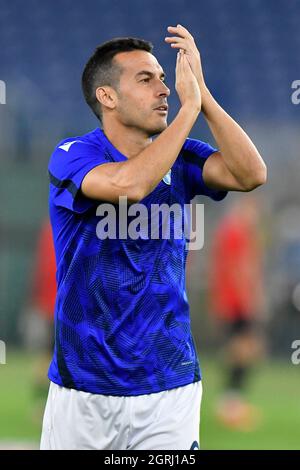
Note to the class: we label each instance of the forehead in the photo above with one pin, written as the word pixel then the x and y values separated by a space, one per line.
pixel 135 61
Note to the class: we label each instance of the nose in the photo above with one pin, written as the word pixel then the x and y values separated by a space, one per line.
pixel 164 91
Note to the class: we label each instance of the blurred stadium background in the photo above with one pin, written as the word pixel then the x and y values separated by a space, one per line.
pixel 250 54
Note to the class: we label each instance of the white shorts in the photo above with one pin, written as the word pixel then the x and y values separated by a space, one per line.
pixel 167 420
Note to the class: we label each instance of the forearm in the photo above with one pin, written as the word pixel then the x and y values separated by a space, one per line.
pixel 238 151
pixel 148 168
pixel 137 176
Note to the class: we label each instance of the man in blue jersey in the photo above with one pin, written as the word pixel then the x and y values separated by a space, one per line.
pixel 125 373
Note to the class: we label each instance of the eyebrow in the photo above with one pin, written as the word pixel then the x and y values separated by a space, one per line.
pixel 150 74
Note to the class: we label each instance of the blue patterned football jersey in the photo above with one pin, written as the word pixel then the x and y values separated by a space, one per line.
pixel 122 322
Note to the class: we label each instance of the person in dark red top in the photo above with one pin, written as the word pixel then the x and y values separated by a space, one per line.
pixel 236 301
pixel 44 284
pixel 37 321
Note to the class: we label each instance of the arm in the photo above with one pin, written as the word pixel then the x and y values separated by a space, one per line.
pixel 139 175
pixel 238 166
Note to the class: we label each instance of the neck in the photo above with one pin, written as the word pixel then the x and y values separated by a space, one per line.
pixel 128 140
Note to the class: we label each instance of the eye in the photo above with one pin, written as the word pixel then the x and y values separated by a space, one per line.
pixel 145 80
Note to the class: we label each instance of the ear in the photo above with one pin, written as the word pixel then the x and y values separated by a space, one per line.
pixel 107 96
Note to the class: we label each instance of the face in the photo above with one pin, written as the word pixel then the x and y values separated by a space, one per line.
pixel 141 90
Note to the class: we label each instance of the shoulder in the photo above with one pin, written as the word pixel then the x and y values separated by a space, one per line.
pixel 91 141
pixel 73 148
pixel 197 147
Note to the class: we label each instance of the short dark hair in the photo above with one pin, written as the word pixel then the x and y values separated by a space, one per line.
pixel 102 70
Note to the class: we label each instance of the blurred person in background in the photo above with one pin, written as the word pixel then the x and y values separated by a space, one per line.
pixel 38 317
pixel 236 300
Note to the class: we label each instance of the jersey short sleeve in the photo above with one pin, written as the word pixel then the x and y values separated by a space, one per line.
pixel 69 164
pixel 195 153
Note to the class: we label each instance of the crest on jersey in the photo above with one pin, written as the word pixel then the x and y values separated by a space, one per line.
pixel 167 178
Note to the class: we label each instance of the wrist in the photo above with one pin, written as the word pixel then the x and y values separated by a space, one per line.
pixel 206 98
pixel 191 110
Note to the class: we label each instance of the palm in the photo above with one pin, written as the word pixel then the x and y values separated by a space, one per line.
pixel 185 41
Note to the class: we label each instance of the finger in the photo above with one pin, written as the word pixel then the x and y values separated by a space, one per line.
pixel 177 39
pixel 185 63
pixel 173 39
pixel 174 30
pixel 180 45
pixel 179 56
pixel 177 60
pixel 178 42
pixel 183 60
pixel 184 31
pixel 179 29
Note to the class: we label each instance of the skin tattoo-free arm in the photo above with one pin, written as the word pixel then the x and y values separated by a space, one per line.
pixel 238 165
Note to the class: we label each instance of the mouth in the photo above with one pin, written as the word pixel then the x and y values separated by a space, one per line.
pixel 162 109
